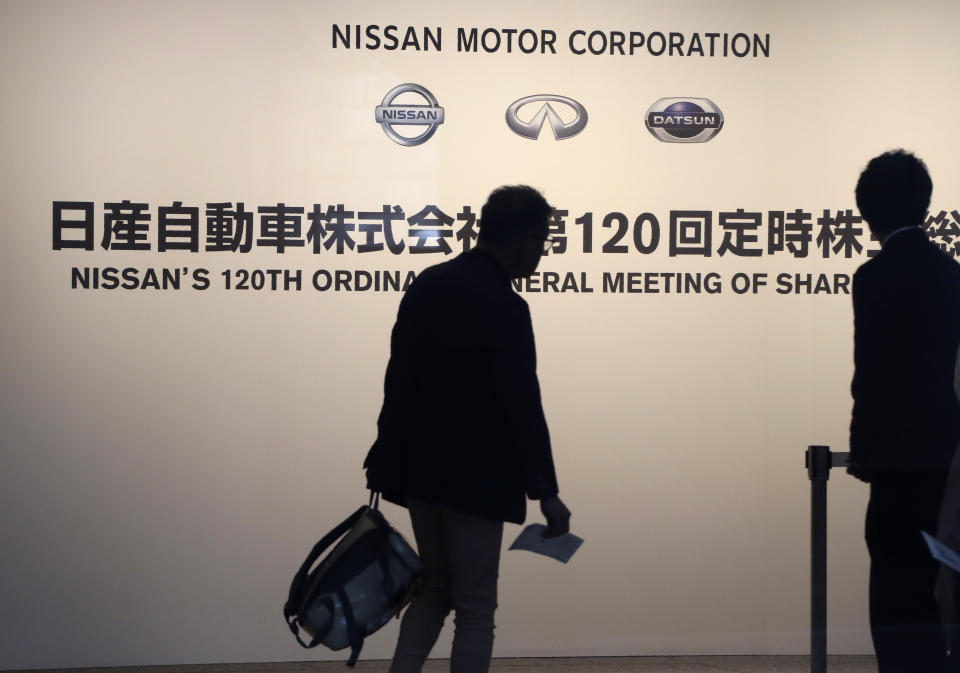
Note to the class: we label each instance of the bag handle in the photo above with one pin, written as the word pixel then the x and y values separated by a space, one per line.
pixel 296 586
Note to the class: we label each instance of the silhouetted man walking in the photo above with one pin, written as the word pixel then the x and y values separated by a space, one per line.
pixel 462 440
pixel 906 419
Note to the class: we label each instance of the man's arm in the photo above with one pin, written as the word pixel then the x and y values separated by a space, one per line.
pixel 387 455
pixel 872 353
pixel 515 379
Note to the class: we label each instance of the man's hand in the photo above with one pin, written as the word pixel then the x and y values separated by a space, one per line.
pixel 858 471
pixel 557 514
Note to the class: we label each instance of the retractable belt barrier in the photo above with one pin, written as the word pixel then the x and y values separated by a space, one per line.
pixel 819 461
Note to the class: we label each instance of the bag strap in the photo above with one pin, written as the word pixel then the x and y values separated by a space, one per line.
pixel 294 625
pixel 355 632
pixel 375 500
pixel 296 586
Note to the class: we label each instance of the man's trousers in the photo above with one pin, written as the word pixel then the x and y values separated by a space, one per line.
pixel 904 614
pixel 461 560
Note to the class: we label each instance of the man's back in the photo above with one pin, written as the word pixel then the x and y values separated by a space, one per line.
pixel 907 313
pixel 462 424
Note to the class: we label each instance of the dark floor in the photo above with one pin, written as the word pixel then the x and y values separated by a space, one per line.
pixel 711 664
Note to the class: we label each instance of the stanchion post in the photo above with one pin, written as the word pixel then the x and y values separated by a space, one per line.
pixel 819 461
pixel 818 470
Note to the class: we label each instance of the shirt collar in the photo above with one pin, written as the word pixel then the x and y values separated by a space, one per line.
pixel 491 262
pixel 893 233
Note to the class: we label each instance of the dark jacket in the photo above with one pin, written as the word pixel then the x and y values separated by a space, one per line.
pixel 462 424
pixel 906 308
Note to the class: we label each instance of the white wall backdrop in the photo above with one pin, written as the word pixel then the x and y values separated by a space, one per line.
pixel 169 456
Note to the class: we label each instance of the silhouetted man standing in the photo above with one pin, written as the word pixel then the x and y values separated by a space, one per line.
pixel 906 419
pixel 462 440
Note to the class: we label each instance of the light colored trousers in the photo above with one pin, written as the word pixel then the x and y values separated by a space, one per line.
pixel 461 561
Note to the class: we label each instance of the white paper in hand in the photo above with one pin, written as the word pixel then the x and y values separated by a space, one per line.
pixel 561 547
pixel 942 552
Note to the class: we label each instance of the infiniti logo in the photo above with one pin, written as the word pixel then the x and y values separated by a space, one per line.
pixel 561 129
pixel 389 115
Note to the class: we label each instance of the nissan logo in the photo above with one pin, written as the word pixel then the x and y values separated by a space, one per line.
pixel 561 129
pixel 389 115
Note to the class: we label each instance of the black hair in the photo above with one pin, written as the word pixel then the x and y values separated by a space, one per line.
pixel 511 213
pixel 894 191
